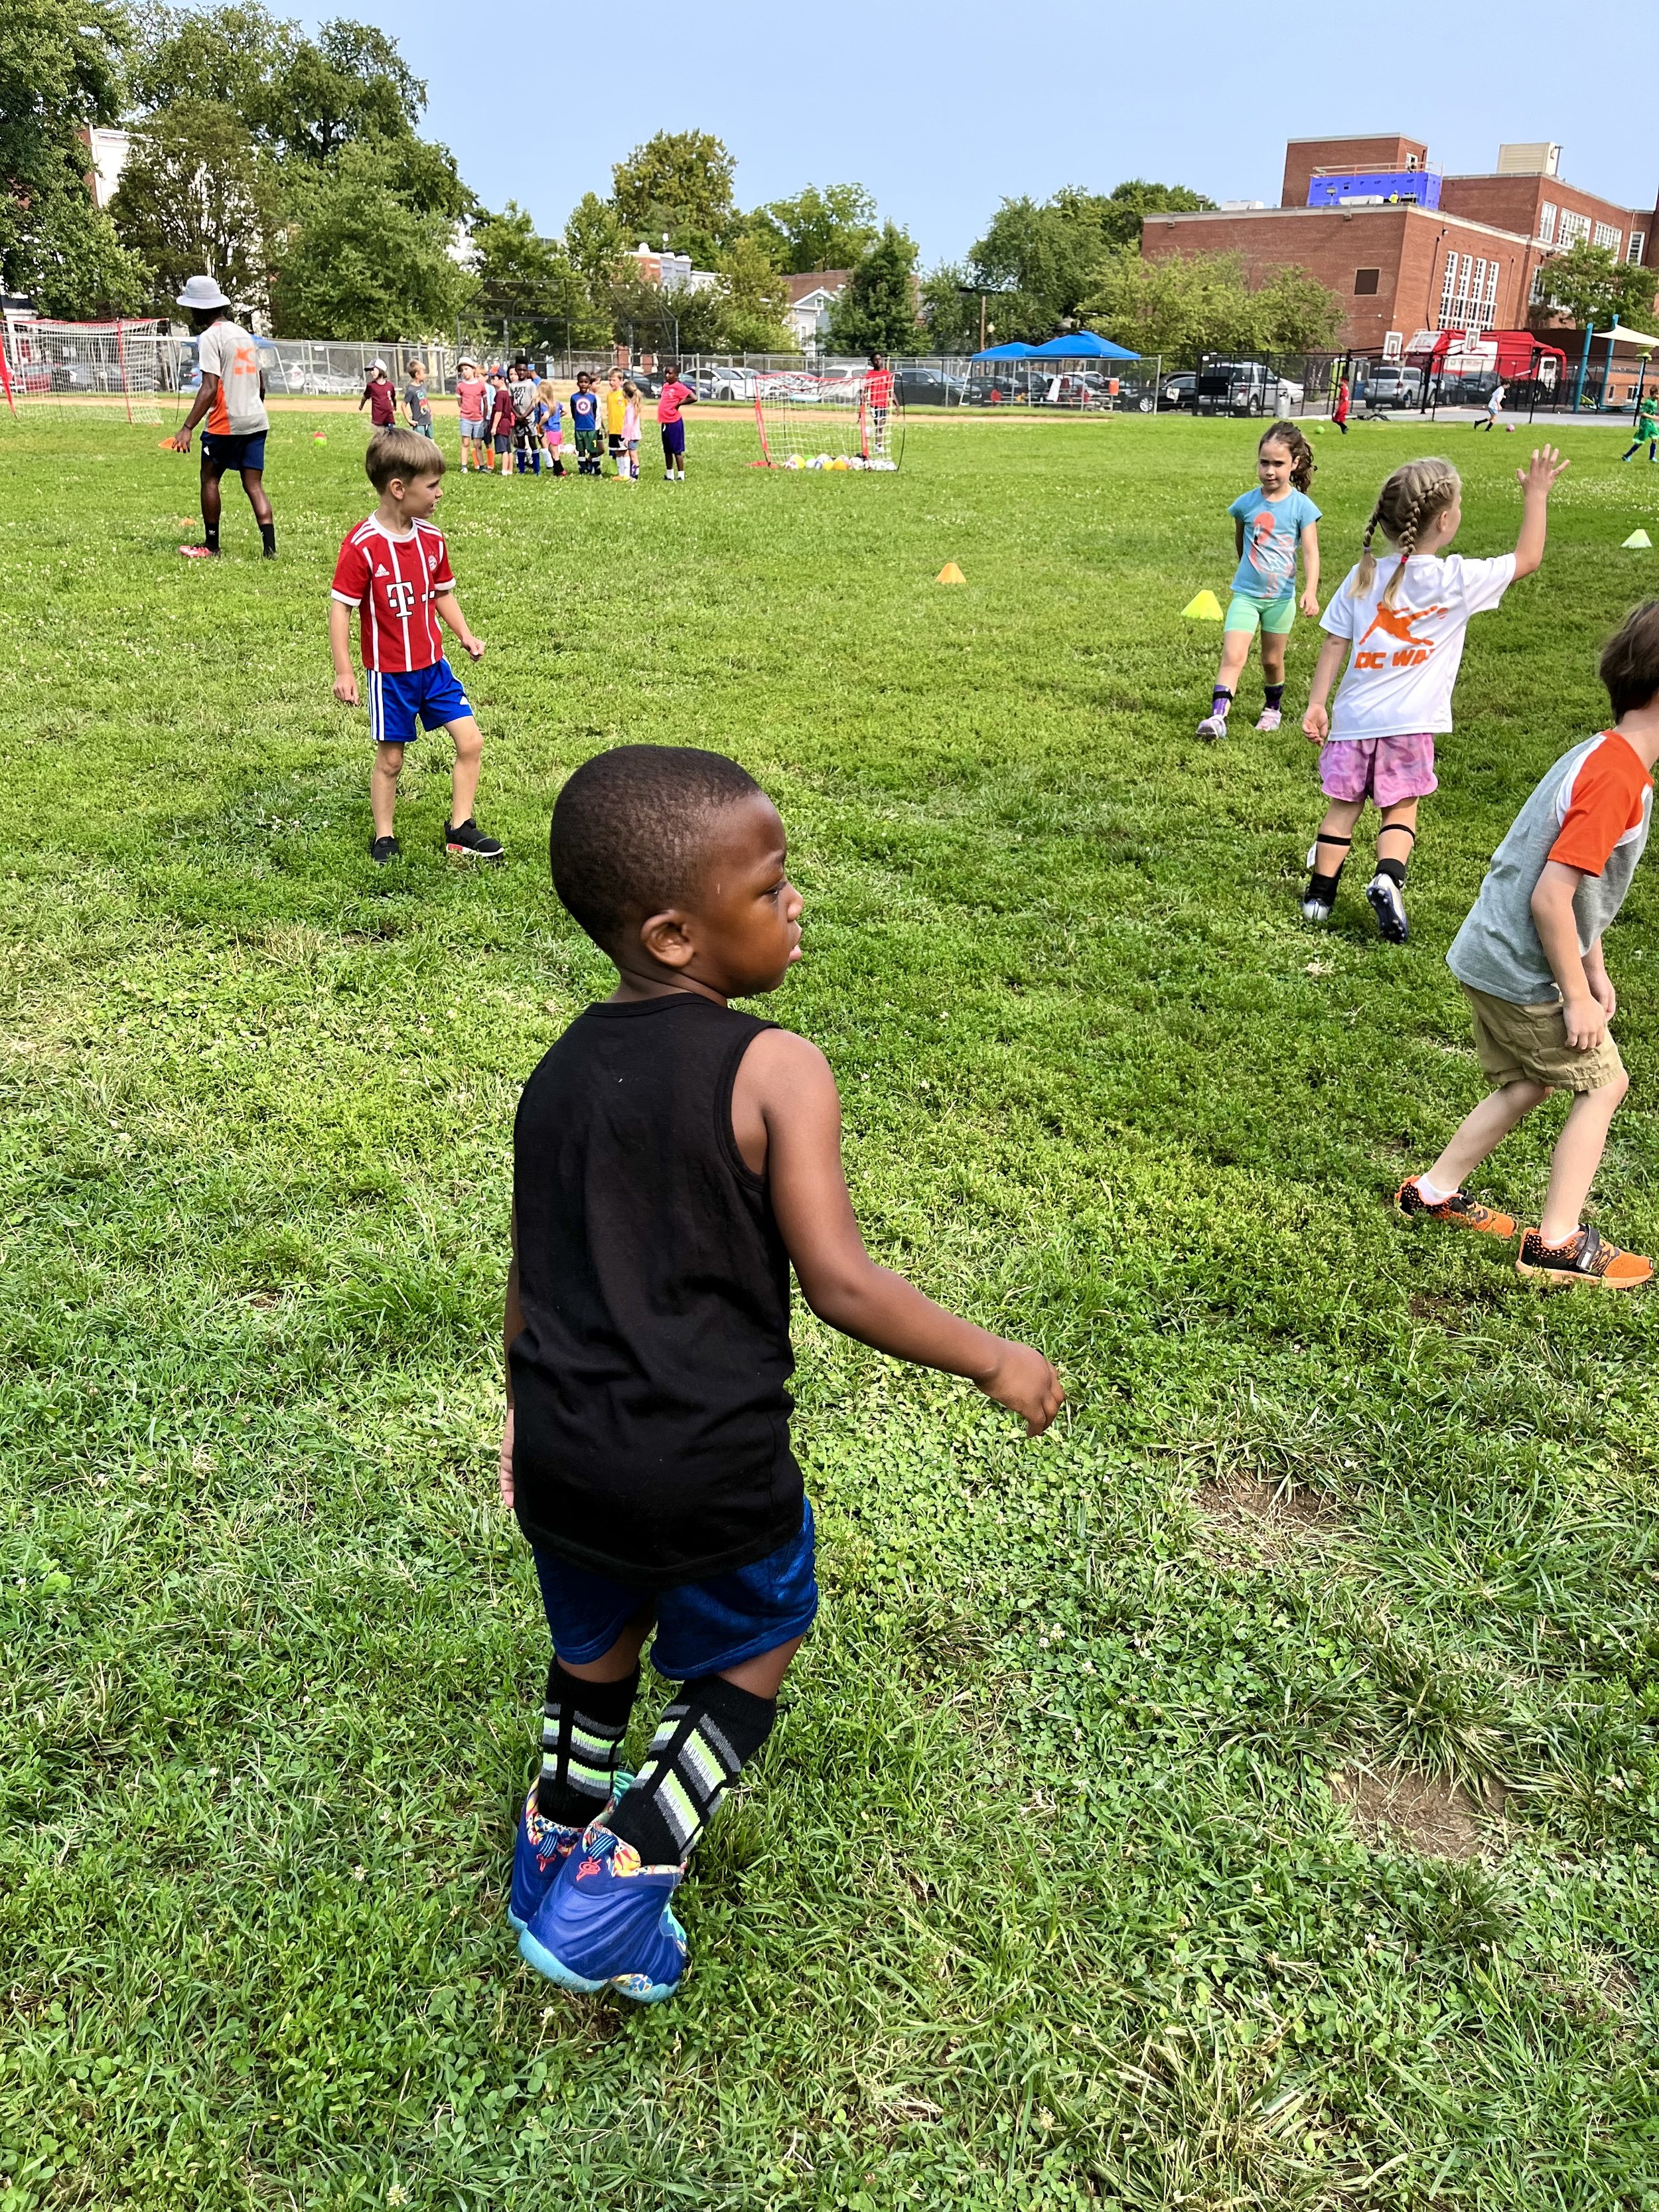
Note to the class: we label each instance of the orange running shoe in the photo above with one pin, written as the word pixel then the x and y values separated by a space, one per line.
pixel 1585 1258
pixel 1460 1211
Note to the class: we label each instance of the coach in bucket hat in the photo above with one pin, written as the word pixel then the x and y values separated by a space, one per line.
pixel 233 400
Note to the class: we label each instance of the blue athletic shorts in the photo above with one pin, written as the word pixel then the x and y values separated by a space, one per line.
pixel 702 1628
pixel 225 452
pixel 673 439
pixel 433 695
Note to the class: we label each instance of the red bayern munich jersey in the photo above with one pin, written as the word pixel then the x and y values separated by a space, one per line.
pixel 395 581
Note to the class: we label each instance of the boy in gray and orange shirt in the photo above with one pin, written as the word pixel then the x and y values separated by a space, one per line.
pixel 1529 959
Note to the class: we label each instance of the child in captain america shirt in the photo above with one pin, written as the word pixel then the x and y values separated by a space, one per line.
pixel 394 567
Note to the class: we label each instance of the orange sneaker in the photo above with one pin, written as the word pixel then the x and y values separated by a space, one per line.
pixel 1585 1258
pixel 1460 1211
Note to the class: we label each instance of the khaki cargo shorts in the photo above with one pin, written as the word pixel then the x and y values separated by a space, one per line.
pixel 1516 1044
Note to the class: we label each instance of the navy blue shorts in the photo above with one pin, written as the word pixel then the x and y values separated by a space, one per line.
pixel 432 695
pixel 224 451
pixel 702 1628
pixel 673 439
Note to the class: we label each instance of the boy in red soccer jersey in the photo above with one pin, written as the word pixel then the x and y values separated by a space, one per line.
pixel 395 568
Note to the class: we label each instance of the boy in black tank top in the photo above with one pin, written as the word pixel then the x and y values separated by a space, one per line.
pixel 673 1159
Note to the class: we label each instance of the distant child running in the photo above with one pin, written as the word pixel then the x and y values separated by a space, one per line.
pixel 548 419
pixel 1407 640
pixel 614 401
pixel 394 568
pixel 1494 407
pixel 473 400
pixel 673 396
pixel 1529 959
pixel 673 1159
pixel 502 420
pixel 631 430
pixel 585 425
pixel 1344 403
pixel 1271 524
pixel 1647 429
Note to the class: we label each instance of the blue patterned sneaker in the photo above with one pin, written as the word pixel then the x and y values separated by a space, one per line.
pixel 539 1850
pixel 605 1924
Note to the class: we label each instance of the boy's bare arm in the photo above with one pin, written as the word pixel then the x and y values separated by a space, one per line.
pixel 339 644
pixel 789 1081
pixel 1558 933
pixel 450 615
pixel 1316 722
pixel 199 407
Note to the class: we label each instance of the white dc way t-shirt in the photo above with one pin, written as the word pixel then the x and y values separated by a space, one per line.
pixel 1405 658
pixel 230 355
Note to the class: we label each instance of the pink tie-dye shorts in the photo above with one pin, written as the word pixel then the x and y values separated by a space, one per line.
pixel 1385 770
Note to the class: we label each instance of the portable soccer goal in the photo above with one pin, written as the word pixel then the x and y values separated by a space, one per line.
pixel 75 368
pixel 827 421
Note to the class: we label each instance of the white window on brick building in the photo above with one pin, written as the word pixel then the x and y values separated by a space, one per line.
pixel 1547 215
pixel 1538 285
pixel 1449 292
pixel 1639 239
pixel 1573 227
pixel 1610 236
pixel 1489 298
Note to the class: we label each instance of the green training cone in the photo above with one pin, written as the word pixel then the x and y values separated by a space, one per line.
pixel 1638 539
pixel 1204 608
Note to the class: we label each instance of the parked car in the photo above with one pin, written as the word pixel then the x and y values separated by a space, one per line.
pixel 1234 387
pixel 1180 391
pixel 928 387
pixel 1392 384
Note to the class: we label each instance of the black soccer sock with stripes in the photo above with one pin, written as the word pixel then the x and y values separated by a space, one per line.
pixel 582 1731
pixel 1395 870
pixel 1320 886
pixel 711 1731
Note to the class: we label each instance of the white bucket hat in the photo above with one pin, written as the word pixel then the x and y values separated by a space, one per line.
pixel 201 292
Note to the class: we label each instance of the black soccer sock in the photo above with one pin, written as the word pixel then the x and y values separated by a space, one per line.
pixel 268 538
pixel 1275 693
pixel 1394 870
pixel 1324 886
pixel 711 1731
pixel 211 537
pixel 582 1732
pixel 1222 700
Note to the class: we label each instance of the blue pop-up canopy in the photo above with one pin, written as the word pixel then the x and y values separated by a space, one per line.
pixel 1013 350
pixel 1082 345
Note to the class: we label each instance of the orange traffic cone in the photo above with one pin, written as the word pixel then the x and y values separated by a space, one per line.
pixel 950 574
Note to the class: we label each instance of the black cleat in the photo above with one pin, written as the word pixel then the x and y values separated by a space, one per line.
pixel 382 850
pixel 465 840
pixel 1389 908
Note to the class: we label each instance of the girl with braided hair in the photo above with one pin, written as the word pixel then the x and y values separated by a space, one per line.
pixel 1272 523
pixel 1402 620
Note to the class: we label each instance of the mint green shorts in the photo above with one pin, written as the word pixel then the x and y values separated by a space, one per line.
pixel 1273 616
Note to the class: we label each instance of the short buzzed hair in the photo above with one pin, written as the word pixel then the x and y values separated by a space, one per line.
pixel 405 453
pixel 632 832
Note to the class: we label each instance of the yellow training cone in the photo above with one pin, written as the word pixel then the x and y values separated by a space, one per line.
pixel 1204 608
pixel 950 574
pixel 1639 538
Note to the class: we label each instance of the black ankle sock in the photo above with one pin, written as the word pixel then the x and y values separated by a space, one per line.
pixel 210 537
pixel 1324 887
pixel 268 537
pixel 1394 870
pixel 711 1731
pixel 1275 693
pixel 582 1732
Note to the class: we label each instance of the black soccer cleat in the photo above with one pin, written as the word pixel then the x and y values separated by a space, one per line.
pixel 465 840
pixel 382 850
pixel 1389 908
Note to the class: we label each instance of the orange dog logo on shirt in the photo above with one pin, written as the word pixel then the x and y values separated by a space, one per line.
pixel 1399 624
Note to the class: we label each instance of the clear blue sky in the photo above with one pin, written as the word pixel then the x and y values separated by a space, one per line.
pixel 943 110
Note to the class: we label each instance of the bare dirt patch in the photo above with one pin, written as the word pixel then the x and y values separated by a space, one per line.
pixel 1427 1812
pixel 1250 1523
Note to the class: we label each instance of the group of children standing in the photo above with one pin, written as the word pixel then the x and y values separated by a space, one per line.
pixel 1529 956
pixel 510 418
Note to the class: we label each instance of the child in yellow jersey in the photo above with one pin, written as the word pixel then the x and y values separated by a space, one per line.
pixel 613 409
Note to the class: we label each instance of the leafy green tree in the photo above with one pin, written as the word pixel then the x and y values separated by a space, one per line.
pixel 753 294
pixel 875 311
pixel 596 242
pixel 831 228
pixel 351 83
pixel 357 262
pixel 196 196
pixel 60 71
pixel 1182 306
pixel 1042 258
pixel 950 308
pixel 1589 284
pixel 225 56
pixel 530 282
pixel 677 184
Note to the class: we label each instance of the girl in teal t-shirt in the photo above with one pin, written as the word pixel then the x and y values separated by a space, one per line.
pixel 1271 524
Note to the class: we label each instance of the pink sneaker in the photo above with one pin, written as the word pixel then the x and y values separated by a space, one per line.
pixel 1212 727
pixel 1270 719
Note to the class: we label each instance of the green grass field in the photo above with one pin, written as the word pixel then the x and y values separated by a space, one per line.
pixel 1043 1895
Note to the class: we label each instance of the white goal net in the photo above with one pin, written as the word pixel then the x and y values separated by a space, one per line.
pixel 842 421
pixel 72 369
